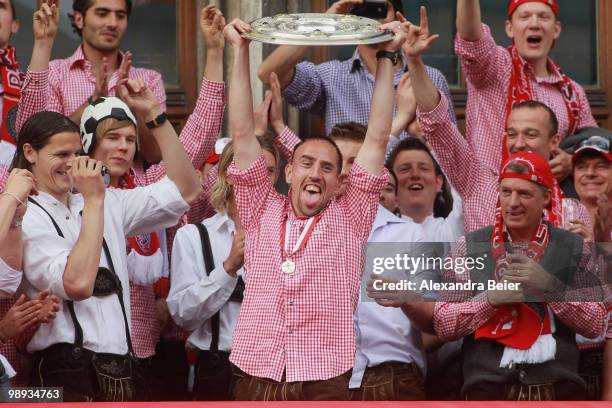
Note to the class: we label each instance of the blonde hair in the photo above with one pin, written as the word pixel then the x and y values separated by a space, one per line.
pixel 222 191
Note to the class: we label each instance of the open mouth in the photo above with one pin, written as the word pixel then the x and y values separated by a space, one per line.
pixel 416 187
pixel 534 39
pixel 312 195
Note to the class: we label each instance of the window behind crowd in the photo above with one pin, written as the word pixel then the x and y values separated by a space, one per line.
pixel 576 51
pixel 151 36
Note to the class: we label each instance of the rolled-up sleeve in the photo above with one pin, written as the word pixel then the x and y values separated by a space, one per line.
pixel 362 196
pixel 307 90
pixel 252 189
pixel 483 60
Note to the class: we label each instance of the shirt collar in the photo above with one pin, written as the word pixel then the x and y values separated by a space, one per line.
pixel 425 221
pixel 385 217
pixel 46 198
pixel 78 58
pixel 220 220
pixel 554 76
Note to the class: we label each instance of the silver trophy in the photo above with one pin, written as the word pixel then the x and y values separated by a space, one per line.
pixel 317 29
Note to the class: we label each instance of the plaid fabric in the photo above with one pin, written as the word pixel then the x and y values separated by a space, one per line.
pixel 459 315
pixel 476 183
pixel 145 327
pixel 341 91
pixel 67 84
pixel 301 323
pixel 487 68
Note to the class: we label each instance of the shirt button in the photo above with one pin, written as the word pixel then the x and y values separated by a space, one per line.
pixel 522 375
pixel 67 217
pixel 290 331
pixel 291 303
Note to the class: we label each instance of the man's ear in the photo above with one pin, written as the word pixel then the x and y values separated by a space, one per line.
pixel 509 29
pixel 29 153
pixel 288 173
pixel 79 20
pixel 439 183
pixel 14 26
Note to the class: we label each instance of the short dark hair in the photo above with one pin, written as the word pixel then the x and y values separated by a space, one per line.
pixel 351 131
pixel 444 201
pixel 322 139
pixel 37 131
pixel 554 123
pixel 82 6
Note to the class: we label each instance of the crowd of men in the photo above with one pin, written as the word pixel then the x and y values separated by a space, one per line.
pixel 137 264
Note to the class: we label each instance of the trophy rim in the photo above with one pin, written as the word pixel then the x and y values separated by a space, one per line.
pixel 291 38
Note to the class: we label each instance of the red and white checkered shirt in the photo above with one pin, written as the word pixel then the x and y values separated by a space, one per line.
pixel 145 327
pixel 8 349
pixel 488 68
pixel 460 314
pixel 67 84
pixel 301 323
pixel 476 183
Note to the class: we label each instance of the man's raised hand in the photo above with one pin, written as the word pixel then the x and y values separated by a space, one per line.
pixel 233 33
pixel 212 24
pixel 137 95
pixel 46 21
pixel 419 40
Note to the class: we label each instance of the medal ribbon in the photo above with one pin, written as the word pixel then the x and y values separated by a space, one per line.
pixel 302 239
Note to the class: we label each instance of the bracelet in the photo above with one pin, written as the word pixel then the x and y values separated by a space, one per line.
pixel 14 196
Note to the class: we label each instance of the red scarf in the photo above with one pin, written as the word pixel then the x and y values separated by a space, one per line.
pixel 144 244
pixel 12 79
pixel 515 325
pixel 520 90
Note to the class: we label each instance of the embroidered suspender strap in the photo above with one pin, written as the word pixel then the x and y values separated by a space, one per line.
pixel 209 265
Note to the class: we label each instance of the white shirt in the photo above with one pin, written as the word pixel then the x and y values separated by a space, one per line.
pixel 7 150
pixel 385 334
pixel 9 282
pixel 195 297
pixel 126 213
pixel 448 229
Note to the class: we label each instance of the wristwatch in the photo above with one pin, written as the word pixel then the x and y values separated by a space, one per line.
pixel 393 56
pixel 158 121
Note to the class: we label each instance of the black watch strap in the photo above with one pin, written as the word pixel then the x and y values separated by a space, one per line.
pixel 393 56
pixel 158 121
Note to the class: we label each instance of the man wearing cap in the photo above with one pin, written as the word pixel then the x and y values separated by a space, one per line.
pixel 338 91
pixel 532 126
pixel 514 350
pixel 498 79
pixel 592 162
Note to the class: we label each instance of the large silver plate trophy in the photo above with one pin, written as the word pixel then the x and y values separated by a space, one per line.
pixel 317 29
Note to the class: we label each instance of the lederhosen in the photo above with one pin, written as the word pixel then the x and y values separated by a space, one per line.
pixel 84 374
pixel 213 371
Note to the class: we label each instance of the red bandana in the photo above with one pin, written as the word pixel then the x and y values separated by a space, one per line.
pixel 520 90
pixel 12 79
pixel 514 4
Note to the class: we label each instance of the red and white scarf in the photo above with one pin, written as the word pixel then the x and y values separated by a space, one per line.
pixel 526 335
pixel 520 90
pixel 12 79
